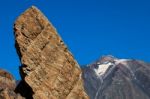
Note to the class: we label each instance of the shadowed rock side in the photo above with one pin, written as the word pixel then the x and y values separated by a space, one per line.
pixel 7 86
pixel 48 68
pixel 111 78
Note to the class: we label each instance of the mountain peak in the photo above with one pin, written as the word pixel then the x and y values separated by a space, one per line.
pixel 106 58
pixel 113 78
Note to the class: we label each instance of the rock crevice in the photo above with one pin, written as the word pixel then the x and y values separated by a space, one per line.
pixel 48 68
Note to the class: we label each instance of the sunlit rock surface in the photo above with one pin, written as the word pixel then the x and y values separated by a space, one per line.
pixel 48 69
pixel 7 86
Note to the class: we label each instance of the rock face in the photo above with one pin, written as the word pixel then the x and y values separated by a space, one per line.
pixel 48 68
pixel 7 86
pixel 112 78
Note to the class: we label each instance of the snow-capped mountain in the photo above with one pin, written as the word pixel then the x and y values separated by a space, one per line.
pixel 112 78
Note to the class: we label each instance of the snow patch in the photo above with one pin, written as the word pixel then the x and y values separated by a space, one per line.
pixel 102 68
pixel 122 61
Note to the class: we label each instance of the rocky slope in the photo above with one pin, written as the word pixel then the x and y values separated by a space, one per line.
pixel 48 69
pixel 112 78
pixel 7 86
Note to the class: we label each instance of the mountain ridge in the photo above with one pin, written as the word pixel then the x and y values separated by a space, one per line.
pixel 124 72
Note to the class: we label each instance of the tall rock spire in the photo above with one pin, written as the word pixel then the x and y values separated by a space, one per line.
pixel 48 68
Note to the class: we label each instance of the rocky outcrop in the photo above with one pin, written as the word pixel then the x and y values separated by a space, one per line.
pixel 48 69
pixel 112 78
pixel 7 86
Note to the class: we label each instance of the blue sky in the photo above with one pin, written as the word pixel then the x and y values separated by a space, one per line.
pixel 90 28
